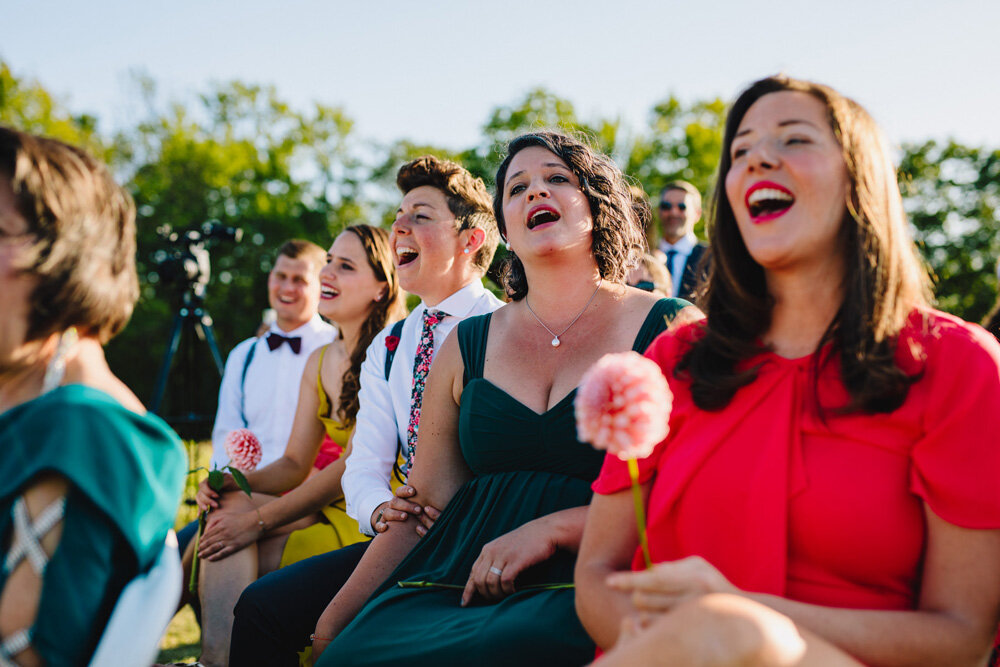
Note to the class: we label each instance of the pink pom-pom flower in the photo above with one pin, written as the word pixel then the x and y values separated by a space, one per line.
pixel 623 405
pixel 243 449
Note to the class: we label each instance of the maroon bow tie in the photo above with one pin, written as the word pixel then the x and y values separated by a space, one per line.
pixel 275 340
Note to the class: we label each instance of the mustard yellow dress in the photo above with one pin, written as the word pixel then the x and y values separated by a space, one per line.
pixel 337 529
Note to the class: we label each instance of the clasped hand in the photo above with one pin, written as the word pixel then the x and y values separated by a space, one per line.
pixel 400 508
pixel 226 533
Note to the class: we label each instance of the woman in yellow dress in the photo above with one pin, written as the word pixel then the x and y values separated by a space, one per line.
pixel 245 538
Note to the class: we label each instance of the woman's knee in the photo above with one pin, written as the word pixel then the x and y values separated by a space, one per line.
pixel 730 629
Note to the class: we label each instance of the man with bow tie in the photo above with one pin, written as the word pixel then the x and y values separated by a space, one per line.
pixel 260 387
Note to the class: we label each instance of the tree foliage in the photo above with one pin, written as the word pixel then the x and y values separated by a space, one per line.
pixel 952 196
pixel 239 155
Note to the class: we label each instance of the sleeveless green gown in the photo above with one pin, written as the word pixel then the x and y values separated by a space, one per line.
pixel 526 465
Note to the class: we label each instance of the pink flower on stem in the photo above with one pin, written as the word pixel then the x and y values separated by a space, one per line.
pixel 623 405
pixel 243 449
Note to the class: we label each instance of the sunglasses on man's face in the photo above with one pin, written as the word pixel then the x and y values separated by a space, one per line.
pixel 645 285
pixel 667 205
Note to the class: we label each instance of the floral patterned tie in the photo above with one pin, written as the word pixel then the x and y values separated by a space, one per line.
pixel 421 364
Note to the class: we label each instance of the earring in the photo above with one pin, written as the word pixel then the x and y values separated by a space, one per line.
pixel 466 251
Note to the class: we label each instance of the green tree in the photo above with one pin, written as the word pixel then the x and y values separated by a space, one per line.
pixel 951 193
pixel 239 157
pixel 27 106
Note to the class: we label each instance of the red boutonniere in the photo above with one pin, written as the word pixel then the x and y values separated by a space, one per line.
pixel 391 342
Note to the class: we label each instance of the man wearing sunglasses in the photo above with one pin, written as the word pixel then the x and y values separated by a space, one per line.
pixel 680 208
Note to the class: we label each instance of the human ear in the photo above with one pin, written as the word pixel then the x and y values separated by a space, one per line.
pixel 474 239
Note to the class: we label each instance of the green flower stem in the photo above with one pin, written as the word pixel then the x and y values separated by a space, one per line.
pixel 640 512
pixel 458 587
pixel 193 582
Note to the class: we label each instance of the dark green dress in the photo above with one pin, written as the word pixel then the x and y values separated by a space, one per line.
pixel 126 473
pixel 526 465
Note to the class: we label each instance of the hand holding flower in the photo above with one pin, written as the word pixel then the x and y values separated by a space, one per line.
pixel 244 452
pixel 665 585
pixel 208 499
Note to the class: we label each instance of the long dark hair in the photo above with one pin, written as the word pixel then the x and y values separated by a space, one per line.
pixel 884 281
pixel 619 218
pixel 392 307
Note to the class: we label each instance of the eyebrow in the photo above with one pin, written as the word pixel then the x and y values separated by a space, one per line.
pixel 547 164
pixel 419 204
pixel 784 123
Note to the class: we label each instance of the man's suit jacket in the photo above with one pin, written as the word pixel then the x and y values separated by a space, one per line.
pixel 694 271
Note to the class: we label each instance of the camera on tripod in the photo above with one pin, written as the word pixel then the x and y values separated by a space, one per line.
pixel 185 260
pixel 184 264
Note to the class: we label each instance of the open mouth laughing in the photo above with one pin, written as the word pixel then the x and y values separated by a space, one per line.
pixel 766 201
pixel 405 255
pixel 328 292
pixel 541 215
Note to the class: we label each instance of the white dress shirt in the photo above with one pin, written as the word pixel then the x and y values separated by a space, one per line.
pixel 676 268
pixel 271 388
pixel 384 412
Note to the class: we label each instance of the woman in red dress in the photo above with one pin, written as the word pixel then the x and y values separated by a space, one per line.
pixel 828 490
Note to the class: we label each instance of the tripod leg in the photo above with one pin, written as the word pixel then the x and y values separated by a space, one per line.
pixel 168 357
pixel 205 324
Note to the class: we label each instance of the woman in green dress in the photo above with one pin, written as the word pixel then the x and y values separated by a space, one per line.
pixel 489 582
pixel 89 483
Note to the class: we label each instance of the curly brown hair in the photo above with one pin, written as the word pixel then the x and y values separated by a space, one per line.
pixel 392 307
pixel 619 217
pixel 468 198
pixel 884 280
pixel 82 224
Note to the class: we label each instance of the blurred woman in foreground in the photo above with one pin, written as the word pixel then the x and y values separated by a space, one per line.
pixel 89 483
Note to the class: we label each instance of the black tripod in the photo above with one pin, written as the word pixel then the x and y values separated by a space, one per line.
pixel 191 324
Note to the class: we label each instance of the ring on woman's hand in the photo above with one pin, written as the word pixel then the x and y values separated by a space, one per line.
pixel 496 570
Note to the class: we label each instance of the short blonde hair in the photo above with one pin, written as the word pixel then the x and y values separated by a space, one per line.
pixel 83 227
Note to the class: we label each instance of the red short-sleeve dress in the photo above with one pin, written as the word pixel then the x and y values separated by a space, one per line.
pixel 827 509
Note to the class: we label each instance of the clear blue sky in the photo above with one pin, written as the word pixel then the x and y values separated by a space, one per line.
pixel 431 71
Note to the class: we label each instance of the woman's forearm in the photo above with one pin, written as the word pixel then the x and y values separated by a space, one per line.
pixel 889 638
pixel 387 550
pixel 309 497
pixel 567 527
pixel 601 609
pixel 279 476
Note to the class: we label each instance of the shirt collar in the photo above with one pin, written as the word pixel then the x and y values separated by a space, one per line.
pixel 683 247
pixel 305 329
pixel 460 303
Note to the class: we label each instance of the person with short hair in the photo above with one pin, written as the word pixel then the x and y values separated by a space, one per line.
pixel 498 450
pixel 442 242
pixel 260 385
pixel 679 209
pixel 650 275
pixel 827 493
pixel 89 481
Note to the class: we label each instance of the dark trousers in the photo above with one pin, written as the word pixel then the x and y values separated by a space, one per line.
pixel 276 614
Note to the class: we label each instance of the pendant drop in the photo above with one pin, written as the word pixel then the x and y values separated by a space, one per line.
pixel 555 342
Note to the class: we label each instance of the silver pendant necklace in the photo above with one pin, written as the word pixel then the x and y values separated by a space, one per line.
pixel 555 336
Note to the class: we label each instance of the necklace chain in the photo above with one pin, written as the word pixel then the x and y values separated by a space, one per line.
pixel 555 336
